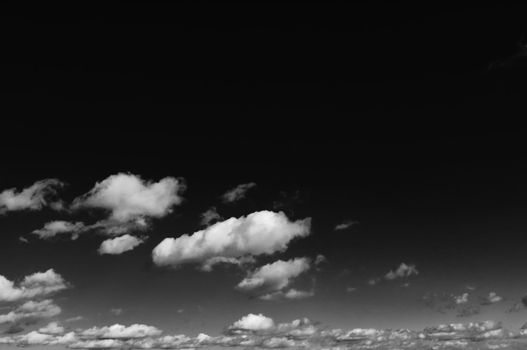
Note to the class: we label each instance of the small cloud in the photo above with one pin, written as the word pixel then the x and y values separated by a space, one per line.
pixel 345 225
pixel 237 193
pixel 253 322
pixel 492 298
pixel 210 216
pixel 119 245
pixel 52 328
pixel 461 299
pixel 23 239
pixel 34 285
pixel 320 259
pixel 116 311
pixel 128 197
pixel 468 311
pixel 351 289
pixel 74 319
pixel 402 271
pixel 53 228
pixel 273 278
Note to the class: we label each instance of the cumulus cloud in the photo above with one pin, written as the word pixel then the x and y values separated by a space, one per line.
pixel 345 225
pixel 53 228
pixel 119 245
pixel 128 197
pixel 31 311
pixel 39 195
pixel 34 285
pixel 237 193
pixel 275 277
pixel 210 216
pixel 259 233
pixel 119 331
pixel 253 322
pixel 52 328
pixel 402 271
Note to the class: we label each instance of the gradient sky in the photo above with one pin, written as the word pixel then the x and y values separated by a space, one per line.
pixel 365 122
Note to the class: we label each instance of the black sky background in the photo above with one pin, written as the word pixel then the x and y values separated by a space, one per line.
pixel 399 116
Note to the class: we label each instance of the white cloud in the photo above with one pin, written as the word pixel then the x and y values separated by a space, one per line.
pixel 31 310
pixel 119 245
pixel 253 322
pixel 274 277
pixel 345 225
pixel 35 197
pixel 209 264
pixel 209 216
pixel 492 298
pixel 118 331
pixel 461 299
pixel 52 328
pixel 237 192
pixel 402 271
pixel 128 197
pixel 53 228
pixel 263 232
pixel 37 284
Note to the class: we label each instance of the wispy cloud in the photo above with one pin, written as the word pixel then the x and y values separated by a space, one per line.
pixel 237 193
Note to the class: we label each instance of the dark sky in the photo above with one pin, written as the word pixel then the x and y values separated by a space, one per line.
pixel 405 119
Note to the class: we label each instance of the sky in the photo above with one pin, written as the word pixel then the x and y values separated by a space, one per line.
pixel 193 174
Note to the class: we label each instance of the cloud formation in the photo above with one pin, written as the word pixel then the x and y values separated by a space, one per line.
pixel 34 285
pixel 128 197
pixel 39 195
pixel 210 216
pixel 53 228
pixel 31 311
pixel 253 322
pixel 119 244
pixel 237 193
pixel 259 233
pixel 345 225
pixel 273 278
pixel 402 271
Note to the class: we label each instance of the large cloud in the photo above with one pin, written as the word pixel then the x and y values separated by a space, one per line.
pixel 119 245
pixel 34 285
pixel 237 193
pixel 35 197
pixel 274 277
pixel 263 232
pixel 128 197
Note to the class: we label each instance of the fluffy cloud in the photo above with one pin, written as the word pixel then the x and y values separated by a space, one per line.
pixel 34 285
pixel 209 216
pixel 274 277
pixel 35 197
pixel 118 331
pixel 253 322
pixel 345 225
pixel 128 197
pixel 263 232
pixel 492 298
pixel 401 272
pixel 30 311
pixel 119 245
pixel 53 228
pixel 52 328
pixel 237 192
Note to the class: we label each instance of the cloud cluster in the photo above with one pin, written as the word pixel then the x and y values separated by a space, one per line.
pixel 256 331
pixel 237 193
pixel 35 197
pixel 402 271
pixel 31 311
pixel 259 233
pixel 34 285
pixel 269 281
pixel 57 227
